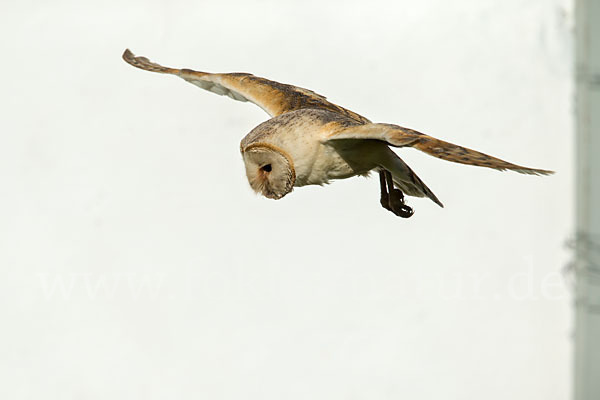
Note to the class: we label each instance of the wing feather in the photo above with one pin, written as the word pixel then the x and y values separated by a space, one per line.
pixel 273 97
pixel 398 136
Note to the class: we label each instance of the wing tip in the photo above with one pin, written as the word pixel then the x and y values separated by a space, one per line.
pixel 145 64
pixel 128 56
pixel 532 171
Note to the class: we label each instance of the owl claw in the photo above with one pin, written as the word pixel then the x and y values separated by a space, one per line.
pixel 396 196
pixel 403 211
pixel 397 206
pixel 393 199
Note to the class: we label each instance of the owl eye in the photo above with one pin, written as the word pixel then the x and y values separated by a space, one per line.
pixel 266 168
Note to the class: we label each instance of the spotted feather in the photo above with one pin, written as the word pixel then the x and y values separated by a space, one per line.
pixel 273 97
pixel 398 136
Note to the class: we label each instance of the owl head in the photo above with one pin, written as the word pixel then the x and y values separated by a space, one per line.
pixel 269 169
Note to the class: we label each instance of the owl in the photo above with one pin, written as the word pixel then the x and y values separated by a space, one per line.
pixel 311 141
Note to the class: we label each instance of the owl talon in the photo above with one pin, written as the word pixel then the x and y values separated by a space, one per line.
pixel 396 196
pixel 392 199
pixel 403 211
pixel 397 204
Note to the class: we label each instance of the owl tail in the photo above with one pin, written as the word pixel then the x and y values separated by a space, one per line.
pixel 406 179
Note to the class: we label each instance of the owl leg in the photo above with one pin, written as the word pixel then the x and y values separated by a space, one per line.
pixel 385 197
pixel 392 199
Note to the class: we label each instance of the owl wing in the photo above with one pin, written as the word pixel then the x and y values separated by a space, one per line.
pixel 398 136
pixel 273 97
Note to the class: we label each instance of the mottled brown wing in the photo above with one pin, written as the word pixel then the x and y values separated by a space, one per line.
pixel 273 97
pixel 401 137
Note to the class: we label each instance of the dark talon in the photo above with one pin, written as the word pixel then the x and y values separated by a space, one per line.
pixel 396 196
pixel 392 199
pixel 405 211
pixel 397 204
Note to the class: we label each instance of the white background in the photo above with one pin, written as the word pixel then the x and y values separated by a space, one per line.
pixel 136 263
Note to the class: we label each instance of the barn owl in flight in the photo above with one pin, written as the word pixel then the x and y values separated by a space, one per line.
pixel 310 141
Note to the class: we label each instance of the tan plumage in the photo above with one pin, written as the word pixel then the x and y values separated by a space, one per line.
pixel 273 97
pixel 398 136
pixel 310 140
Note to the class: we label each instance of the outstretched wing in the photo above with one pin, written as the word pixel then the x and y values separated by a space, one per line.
pixel 398 136
pixel 273 97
